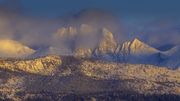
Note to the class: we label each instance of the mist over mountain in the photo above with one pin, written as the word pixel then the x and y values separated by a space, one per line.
pixel 82 50
pixel 37 32
pixel 92 33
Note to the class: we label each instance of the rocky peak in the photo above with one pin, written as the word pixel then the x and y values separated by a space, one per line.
pixel 123 49
pixel 138 47
pixel 107 43
pixel 135 48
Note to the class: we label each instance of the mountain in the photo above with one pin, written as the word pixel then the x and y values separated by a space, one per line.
pixel 86 42
pixel 137 51
pixel 136 48
pixel 11 48
pixel 107 48
pixel 107 44
pixel 139 48
pixel 59 78
pixel 46 65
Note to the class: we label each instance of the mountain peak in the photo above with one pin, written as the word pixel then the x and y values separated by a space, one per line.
pixel 137 41
pixel 107 43
pixel 138 47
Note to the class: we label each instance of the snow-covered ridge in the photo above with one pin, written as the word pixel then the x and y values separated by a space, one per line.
pixel 133 51
pixel 136 48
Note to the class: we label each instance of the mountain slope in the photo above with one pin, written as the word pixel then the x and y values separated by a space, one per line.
pixel 42 66
pixel 11 48
pixel 136 48
pixel 105 46
pixel 86 78
pixel 141 78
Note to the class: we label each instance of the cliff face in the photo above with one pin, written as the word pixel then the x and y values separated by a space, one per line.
pixel 123 50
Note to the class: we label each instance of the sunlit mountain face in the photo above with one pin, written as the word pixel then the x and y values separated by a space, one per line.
pixel 89 50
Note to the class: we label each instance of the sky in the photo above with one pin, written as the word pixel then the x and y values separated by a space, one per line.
pixel 120 7
pixel 54 8
pixel 154 21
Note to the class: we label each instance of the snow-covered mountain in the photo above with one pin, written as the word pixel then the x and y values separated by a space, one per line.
pixel 136 51
pixel 136 48
pixel 133 51
pixel 81 42
pixel 11 48
pixel 107 44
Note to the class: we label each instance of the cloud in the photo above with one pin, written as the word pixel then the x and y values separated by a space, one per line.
pixel 40 32
pixel 87 25
pixel 162 32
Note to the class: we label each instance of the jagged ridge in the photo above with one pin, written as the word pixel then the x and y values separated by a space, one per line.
pixel 44 66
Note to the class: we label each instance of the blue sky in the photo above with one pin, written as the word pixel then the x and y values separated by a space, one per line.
pixel 54 8
pixel 119 7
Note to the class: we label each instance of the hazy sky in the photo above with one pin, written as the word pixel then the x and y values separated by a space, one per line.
pixel 154 21
pixel 54 8
pixel 129 11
